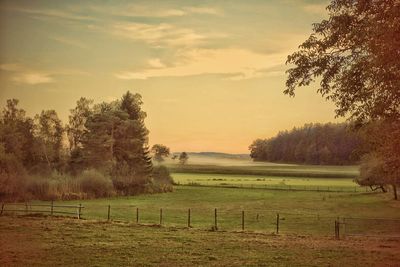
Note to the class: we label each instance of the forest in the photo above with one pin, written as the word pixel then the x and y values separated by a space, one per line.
pixel 102 151
pixel 323 144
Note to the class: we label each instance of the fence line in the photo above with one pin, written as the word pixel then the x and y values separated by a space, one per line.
pixel 52 209
pixel 251 220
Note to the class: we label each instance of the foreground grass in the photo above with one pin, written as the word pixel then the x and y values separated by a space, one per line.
pixel 38 241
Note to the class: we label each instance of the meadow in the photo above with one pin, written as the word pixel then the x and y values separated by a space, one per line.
pixel 123 230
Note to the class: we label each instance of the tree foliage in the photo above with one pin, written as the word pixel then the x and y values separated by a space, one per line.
pixel 183 158
pixel 160 151
pixel 108 145
pixel 355 55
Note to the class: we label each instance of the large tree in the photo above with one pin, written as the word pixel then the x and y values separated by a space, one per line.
pixel 116 141
pixel 355 56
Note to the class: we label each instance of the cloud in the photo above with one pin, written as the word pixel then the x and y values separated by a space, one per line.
pixel 156 63
pixel 33 78
pixel 239 63
pixel 158 34
pixel 51 13
pixel 22 74
pixel 203 10
pixel 153 11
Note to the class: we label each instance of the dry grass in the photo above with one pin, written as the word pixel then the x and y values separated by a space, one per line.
pixel 39 241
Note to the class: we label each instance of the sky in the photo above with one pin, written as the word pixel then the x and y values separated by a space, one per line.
pixel 211 73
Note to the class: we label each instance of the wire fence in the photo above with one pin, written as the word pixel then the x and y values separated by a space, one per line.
pixel 267 221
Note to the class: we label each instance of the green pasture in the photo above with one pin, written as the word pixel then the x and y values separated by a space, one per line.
pixel 344 184
pixel 301 212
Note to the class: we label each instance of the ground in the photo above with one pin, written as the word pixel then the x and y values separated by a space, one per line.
pixel 45 241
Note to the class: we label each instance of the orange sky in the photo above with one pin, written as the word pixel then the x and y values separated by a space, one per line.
pixel 211 74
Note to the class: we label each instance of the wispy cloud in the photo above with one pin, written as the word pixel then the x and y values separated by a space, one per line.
pixel 239 63
pixel 52 13
pixel 158 34
pixel 152 11
pixel 203 10
pixel 19 73
pixel 33 78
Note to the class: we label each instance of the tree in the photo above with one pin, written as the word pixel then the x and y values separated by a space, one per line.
pixel 183 158
pixel 355 55
pixel 371 172
pixel 116 141
pixel 76 127
pixel 17 134
pixel 49 131
pixel 160 151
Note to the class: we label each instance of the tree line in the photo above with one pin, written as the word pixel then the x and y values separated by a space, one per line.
pixel 329 144
pixel 103 150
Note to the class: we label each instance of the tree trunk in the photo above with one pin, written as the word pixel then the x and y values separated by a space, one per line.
pixel 395 191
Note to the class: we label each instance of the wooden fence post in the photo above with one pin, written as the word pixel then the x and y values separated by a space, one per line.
pixel 344 227
pixel 79 211
pixel 2 208
pixel 336 230
pixel 257 217
pixel 277 223
pixel 161 217
pixel 189 218
pixel 51 209
pixel 26 207
pixel 215 219
pixel 108 213
pixel 242 220
pixel 137 215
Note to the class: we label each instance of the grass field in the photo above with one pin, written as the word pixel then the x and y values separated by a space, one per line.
pixel 338 184
pixel 301 212
pixel 306 223
pixel 38 241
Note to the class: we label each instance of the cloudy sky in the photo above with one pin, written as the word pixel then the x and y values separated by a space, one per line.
pixel 211 73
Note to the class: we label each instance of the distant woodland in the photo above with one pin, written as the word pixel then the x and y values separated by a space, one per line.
pixel 102 151
pixel 330 144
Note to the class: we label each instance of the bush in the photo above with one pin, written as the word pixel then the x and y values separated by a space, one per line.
pixel 38 188
pixel 12 178
pixel 95 184
pixel 161 175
